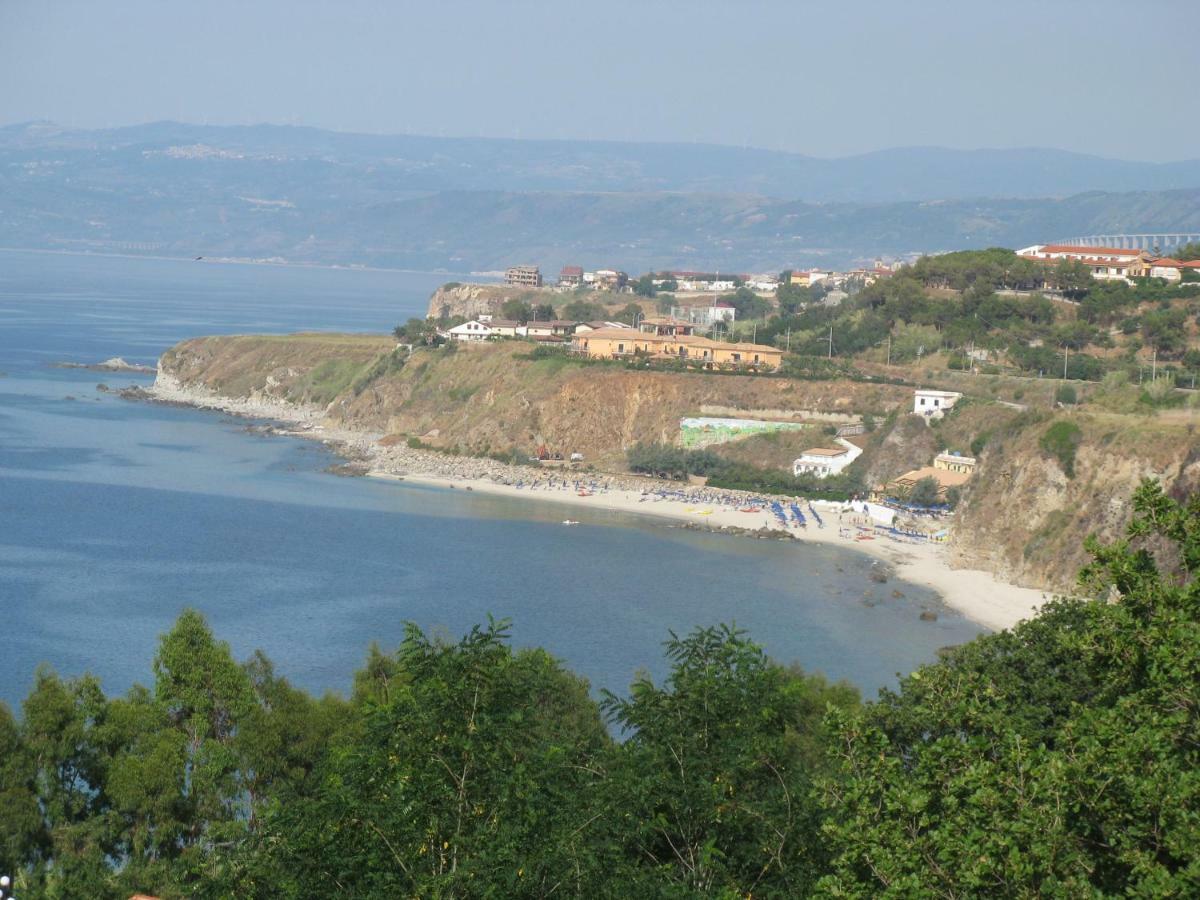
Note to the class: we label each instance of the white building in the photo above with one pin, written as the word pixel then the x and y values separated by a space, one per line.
pixel 470 331
pixel 933 404
pixel 954 462
pixel 826 461
pixel 705 315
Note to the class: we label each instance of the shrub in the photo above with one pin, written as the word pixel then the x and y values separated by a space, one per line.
pixel 1066 395
pixel 1060 441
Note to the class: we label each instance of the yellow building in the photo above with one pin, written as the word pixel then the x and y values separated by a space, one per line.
pixel 620 343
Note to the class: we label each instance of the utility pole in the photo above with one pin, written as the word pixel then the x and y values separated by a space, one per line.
pixel 1154 366
pixel 831 342
pixel 1066 353
pixel 889 358
pixel 789 343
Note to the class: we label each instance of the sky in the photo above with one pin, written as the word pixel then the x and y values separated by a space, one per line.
pixel 827 78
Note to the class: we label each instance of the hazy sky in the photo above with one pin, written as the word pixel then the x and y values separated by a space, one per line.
pixel 828 78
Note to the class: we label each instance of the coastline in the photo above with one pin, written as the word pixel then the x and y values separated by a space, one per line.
pixel 977 595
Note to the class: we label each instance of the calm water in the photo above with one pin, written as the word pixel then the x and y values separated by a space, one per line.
pixel 116 515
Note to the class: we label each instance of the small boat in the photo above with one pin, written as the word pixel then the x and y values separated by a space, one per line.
pixel 751 509
pixel 584 493
pixel 570 522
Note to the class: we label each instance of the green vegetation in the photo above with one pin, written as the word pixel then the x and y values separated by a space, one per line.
pixel 329 378
pixel 1055 759
pixel 666 461
pixel 1060 441
pixel 987 301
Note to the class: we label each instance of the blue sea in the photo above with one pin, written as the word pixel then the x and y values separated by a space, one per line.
pixel 116 515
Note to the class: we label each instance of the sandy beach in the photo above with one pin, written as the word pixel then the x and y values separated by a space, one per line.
pixel 978 595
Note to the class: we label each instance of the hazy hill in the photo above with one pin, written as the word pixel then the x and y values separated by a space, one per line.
pixel 308 195
pixel 408 162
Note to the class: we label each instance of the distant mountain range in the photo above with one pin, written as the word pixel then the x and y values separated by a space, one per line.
pixel 308 195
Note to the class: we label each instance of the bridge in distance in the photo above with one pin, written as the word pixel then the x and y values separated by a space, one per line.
pixel 1162 242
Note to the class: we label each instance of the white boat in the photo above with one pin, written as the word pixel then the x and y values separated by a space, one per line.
pixel 570 522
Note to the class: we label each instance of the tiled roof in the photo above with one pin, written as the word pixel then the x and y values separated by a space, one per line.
pixel 1090 251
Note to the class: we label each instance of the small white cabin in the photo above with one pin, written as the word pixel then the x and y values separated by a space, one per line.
pixel 933 404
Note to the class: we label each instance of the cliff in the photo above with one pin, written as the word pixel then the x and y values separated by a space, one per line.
pixel 495 398
pixel 1024 518
pixel 471 300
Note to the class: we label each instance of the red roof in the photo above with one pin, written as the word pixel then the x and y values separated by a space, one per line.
pixel 1090 251
pixel 571 270
pixel 1166 261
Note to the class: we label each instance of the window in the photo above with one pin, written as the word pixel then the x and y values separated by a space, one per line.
pixel 922 401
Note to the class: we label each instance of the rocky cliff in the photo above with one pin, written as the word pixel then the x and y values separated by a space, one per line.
pixel 494 397
pixel 1024 517
pixel 472 300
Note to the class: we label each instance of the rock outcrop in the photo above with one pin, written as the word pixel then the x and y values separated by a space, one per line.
pixel 472 300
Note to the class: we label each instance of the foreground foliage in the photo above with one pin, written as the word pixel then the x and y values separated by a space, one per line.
pixel 1061 758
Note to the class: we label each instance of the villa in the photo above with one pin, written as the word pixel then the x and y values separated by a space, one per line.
pixel 825 461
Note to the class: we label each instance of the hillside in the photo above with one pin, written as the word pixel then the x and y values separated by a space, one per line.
pixel 1022 516
pixel 491 398
pixel 301 195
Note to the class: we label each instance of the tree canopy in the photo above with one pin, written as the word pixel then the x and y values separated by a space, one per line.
pixel 1057 758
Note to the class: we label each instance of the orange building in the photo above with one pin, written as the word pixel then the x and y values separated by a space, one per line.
pixel 620 343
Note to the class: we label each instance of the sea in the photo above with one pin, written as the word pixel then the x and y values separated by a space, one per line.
pixel 116 515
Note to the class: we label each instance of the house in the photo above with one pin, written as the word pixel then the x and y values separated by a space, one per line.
pixel 900 488
pixel 473 330
pixel 933 404
pixel 826 461
pixel 620 343
pixel 1167 268
pixel 502 327
pixel 571 276
pixel 556 328
pixel 610 280
pixel 1105 263
pixel 953 462
pixel 717 312
pixel 523 276
pixel 581 327
pixel 809 277
pixel 666 325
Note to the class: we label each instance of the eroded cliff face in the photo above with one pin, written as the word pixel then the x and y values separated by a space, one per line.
pixel 1025 520
pixel 493 398
pixel 472 300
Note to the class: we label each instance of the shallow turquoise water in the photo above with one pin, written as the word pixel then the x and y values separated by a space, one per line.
pixel 115 515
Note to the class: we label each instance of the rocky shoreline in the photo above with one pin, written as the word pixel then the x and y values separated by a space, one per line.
pixel 365 454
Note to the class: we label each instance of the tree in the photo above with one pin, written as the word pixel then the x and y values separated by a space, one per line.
pixel 925 492
pixel 644 286
pixel 1187 252
pixel 473 778
pixel 417 331
pixel 748 304
pixel 583 311
pixel 630 313
pixel 712 786
pixel 1057 758
pixel 543 312
pixel 516 309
